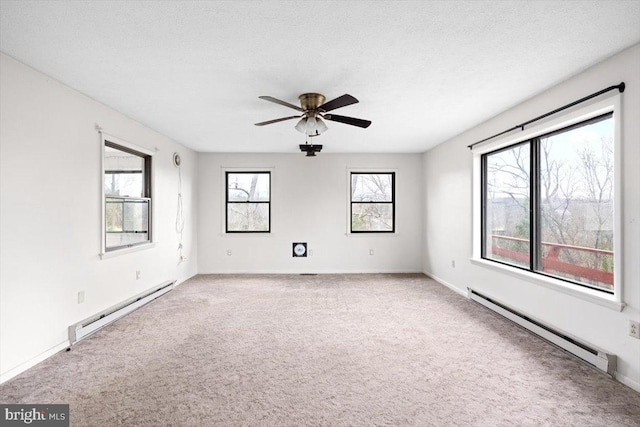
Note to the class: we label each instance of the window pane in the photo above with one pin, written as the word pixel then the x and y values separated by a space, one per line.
pixel 371 217
pixel 248 217
pixel 371 187
pixel 127 221
pixel 576 203
pixel 254 187
pixel 507 201
pixel 123 173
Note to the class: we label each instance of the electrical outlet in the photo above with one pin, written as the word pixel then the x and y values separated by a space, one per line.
pixel 453 263
pixel 229 252
pixel 634 329
pixel 310 252
pixel 137 274
pixel 80 297
pixel 370 251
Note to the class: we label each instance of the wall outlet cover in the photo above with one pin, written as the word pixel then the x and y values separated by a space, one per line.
pixel 634 329
pixel 299 249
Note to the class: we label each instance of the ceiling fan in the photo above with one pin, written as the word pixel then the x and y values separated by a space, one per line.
pixel 314 110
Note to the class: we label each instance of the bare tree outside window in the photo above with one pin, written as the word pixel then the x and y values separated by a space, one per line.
pixel 248 202
pixel 507 211
pixel 574 204
pixel 372 202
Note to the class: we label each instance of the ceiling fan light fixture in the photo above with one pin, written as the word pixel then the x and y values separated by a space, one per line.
pixel 321 126
pixel 302 125
pixel 314 108
pixel 312 126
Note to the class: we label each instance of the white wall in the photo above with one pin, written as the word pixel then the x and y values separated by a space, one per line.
pixel 447 172
pixel 309 204
pixel 50 214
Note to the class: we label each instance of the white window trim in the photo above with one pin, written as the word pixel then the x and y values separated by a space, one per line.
pixel 104 137
pixel 223 210
pixel 576 115
pixel 366 169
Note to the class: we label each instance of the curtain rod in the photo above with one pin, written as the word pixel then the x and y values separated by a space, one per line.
pixel 620 87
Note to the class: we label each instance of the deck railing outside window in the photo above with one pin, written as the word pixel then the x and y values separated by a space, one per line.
pixel 594 266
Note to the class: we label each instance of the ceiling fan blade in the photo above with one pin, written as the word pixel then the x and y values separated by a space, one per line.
pixel 277 120
pixel 341 101
pixel 348 120
pixel 277 101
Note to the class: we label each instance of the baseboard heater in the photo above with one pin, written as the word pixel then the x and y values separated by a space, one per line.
pixel 594 356
pixel 94 323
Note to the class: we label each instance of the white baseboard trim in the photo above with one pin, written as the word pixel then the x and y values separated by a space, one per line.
pixel 93 324
pixel 6 376
pixel 628 382
pixel 634 385
pixel 447 284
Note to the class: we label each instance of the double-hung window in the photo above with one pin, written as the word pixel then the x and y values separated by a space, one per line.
pixel 548 204
pixel 372 202
pixel 127 196
pixel 248 202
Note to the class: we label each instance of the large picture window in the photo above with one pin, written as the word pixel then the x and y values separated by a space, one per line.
pixel 372 202
pixel 548 204
pixel 127 197
pixel 248 202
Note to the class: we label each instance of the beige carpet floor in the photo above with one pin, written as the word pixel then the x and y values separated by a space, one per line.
pixel 327 350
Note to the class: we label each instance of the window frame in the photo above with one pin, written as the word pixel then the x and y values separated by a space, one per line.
pixel 147 197
pixel 392 202
pixel 483 191
pixel 535 227
pixel 574 116
pixel 226 200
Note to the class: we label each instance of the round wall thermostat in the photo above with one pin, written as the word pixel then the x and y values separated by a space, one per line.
pixel 176 159
pixel 299 249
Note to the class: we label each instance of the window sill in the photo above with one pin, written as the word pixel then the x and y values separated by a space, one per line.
pixel 247 234
pixel 118 252
pixel 372 234
pixel 593 296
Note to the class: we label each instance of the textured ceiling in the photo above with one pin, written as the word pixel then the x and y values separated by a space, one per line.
pixel 423 71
